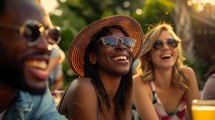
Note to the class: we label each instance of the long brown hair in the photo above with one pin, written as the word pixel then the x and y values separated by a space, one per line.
pixel 146 67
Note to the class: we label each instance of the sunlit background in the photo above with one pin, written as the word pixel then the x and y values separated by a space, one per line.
pixel 193 20
pixel 50 5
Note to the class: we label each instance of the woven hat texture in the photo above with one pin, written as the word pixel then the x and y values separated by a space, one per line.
pixel 78 46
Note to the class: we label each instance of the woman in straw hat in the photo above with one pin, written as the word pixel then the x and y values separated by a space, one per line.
pixel 102 55
pixel 163 88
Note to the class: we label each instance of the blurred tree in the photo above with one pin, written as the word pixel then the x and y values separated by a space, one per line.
pixel 156 11
pixel 73 15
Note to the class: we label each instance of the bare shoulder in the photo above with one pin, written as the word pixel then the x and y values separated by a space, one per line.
pixel 137 80
pixel 191 77
pixel 79 96
pixel 139 86
pixel 81 86
pixel 187 71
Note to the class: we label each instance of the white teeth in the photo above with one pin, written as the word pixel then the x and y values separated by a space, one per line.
pixel 120 58
pixel 39 64
pixel 166 55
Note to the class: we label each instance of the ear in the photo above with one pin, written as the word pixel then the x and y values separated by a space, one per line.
pixel 92 58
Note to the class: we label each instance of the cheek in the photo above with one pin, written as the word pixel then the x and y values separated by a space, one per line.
pixel 175 53
pixel 152 56
pixel 12 46
pixel 130 51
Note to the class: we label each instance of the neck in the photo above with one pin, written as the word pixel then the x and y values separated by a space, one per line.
pixel 111 84
pixel 163 78
pixel 7 94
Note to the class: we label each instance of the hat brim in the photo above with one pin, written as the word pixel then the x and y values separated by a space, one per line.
pixel 78 46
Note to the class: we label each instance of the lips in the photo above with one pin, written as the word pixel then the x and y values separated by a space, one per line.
pixel 38 68
pixel 120 58
pixel 166 56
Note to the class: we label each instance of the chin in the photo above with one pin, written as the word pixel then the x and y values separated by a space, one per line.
pixel 16 80
pixel 35 87
pixel 35 91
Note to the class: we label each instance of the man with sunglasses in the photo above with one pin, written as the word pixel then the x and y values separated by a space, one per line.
pixel 26 35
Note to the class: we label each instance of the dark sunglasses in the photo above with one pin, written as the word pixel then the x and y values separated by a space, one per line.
pixel 158 45
pixel 112 42
pixel 32 29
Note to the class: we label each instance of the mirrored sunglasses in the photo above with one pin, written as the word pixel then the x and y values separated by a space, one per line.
pixel 158 45
pixel 31 30
pixel 112 42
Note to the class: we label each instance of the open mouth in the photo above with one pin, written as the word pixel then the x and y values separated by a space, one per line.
pixel 38 64
pixel 165 56
pixel 120 58
pixel 37 68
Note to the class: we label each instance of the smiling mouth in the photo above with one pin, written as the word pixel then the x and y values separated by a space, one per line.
pixel 165 56
pixel 120 58
pixel 38 64
pixel 38 69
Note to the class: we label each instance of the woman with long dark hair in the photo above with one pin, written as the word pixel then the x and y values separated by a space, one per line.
pixel 102 55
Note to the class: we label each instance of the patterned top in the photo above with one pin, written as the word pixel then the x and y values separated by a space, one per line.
pixel 178 114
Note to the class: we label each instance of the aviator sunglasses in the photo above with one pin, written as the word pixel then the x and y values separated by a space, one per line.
pixel 32 29
pixel 112 42
pixel 158 45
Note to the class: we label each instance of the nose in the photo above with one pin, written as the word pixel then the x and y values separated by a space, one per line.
pixel 120 45
pixel 165 45
pixel 44 45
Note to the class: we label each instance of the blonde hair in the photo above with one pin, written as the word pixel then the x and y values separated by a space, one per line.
pixel 145 67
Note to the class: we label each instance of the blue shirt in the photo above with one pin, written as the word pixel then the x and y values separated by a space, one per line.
pixel 33 107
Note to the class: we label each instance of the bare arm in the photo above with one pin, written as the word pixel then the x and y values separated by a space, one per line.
pixel 142 98
pixel 209 91
pixel 80 103
pixel 193 92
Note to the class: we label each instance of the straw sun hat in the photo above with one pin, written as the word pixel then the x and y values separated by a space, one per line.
pixel 78 46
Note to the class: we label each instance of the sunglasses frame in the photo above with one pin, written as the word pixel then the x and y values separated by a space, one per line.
pixel 117 41
pixel 22 29
pixel 172 43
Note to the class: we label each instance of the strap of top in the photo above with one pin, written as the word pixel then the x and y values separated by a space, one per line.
pixel 152 86
pixel 180 112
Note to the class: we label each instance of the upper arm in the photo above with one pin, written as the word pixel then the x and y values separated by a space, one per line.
pixel 193 90
pixel 209 91
pixel 81 100
pixel 143 100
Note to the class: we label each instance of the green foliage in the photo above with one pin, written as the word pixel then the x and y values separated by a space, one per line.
pixel 74 15
pixel 156 11
pixel 199 68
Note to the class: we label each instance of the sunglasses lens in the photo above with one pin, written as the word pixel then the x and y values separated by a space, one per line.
pixel 173 43
pixel 54 36
pixel 158 45
pixel 31 32
pixel 170 42
pixel 128 42
pixel 32 29
pixel 109 41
